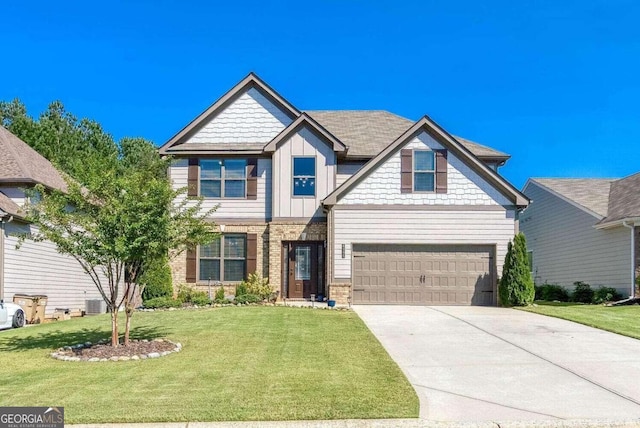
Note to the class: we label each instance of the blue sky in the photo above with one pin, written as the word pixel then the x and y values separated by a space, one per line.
pixel 554 83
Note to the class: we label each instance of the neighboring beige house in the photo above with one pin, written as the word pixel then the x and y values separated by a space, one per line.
pixel 584 230
pixel 36 268
pixel 357 206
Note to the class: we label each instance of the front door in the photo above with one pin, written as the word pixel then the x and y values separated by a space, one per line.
pixel 306 264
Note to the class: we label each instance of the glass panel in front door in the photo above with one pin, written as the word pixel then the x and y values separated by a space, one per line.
pixel 303 262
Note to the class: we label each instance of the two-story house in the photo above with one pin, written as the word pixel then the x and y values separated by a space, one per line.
pixel 359 206
pixel 36 268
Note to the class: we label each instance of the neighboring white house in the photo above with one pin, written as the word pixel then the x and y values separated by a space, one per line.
pixel 36 268
pixel 360 206
pixel 584 230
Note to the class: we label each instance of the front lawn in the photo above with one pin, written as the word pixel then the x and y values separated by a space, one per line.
pixel 617 319
pixel 249 363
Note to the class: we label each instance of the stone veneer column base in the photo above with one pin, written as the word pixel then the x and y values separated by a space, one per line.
pixel 341 293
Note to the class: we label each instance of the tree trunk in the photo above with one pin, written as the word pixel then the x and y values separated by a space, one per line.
pixel 128 310
pixel 114 327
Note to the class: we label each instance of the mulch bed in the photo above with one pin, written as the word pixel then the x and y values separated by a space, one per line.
pixel 134 348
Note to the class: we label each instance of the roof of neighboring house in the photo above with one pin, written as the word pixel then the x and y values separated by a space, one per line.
pixel 590 193
pixel 8 206
pixel 21 164
pixel 624 199
pixel 369 132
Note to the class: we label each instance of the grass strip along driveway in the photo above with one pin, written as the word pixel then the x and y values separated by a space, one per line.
pixel 616 319
pixel 250 363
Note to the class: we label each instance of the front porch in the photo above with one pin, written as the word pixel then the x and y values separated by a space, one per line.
pixel 297 259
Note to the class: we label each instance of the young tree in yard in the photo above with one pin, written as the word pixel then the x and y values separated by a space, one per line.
pixel 516 285
pixel 118 212
pixel 114 224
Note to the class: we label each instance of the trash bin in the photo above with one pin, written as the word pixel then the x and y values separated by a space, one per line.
pixel 33 307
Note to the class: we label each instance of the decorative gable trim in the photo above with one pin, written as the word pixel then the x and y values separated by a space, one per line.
pixel 305 120
pixel 450 143
pixel 251 81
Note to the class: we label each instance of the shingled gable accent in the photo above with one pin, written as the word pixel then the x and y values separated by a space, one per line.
pixel 449 142
pixel 251 81
pixel 302 121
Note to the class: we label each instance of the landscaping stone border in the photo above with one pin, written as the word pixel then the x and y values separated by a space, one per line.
pixel 288 304
pixel 66 353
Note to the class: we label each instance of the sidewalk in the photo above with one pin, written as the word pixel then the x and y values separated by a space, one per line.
pixel 382 423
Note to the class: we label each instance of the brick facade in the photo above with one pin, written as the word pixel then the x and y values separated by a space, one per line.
pixel 288 231
pixel 179 263
pixel 269 260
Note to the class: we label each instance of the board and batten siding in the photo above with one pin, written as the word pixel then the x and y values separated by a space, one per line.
pixel 464 186
pixel 567 248
pixel 346 170
pixel 38 268
pixel 302 143
pixel 250 118
pixel 361 226
pixel 259 208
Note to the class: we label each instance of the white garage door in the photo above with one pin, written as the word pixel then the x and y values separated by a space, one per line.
pixel 423 274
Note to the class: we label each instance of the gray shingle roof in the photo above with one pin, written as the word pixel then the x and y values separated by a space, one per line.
pixel 215 147
pixel 591 193
pixel 368 132
pixel 624 199
pixel 8 206
pixel 21 164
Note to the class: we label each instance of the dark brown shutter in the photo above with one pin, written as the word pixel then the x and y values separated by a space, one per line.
pixel 252 252
pixel 441 171
pixel 192 178
pixel 252 179
pixel 191 265
pixel 406 171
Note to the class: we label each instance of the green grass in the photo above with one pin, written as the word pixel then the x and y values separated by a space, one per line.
pixel 617 319
pixel 250 363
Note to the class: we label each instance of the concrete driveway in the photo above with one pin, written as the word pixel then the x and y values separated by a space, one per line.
pixel 493 364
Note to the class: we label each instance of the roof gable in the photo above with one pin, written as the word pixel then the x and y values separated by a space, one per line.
pixel 20 164
pixel 589 194
pixel 368 132
pixel 446 140
pixel 304 120
pixel 252 85
pixel 624 200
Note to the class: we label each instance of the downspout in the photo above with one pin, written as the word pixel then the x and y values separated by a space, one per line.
pixel 2 220
pixel 633 259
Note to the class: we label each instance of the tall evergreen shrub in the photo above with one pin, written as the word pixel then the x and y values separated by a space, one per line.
pixel 516 285
pixel 156 279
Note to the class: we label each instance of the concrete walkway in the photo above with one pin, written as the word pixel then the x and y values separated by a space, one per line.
pixel 495 364
pixel 378 423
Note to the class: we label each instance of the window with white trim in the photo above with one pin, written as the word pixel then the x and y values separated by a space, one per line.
pixel 223 178
pixel 304 176
pixel 424 171
pixel 224 259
